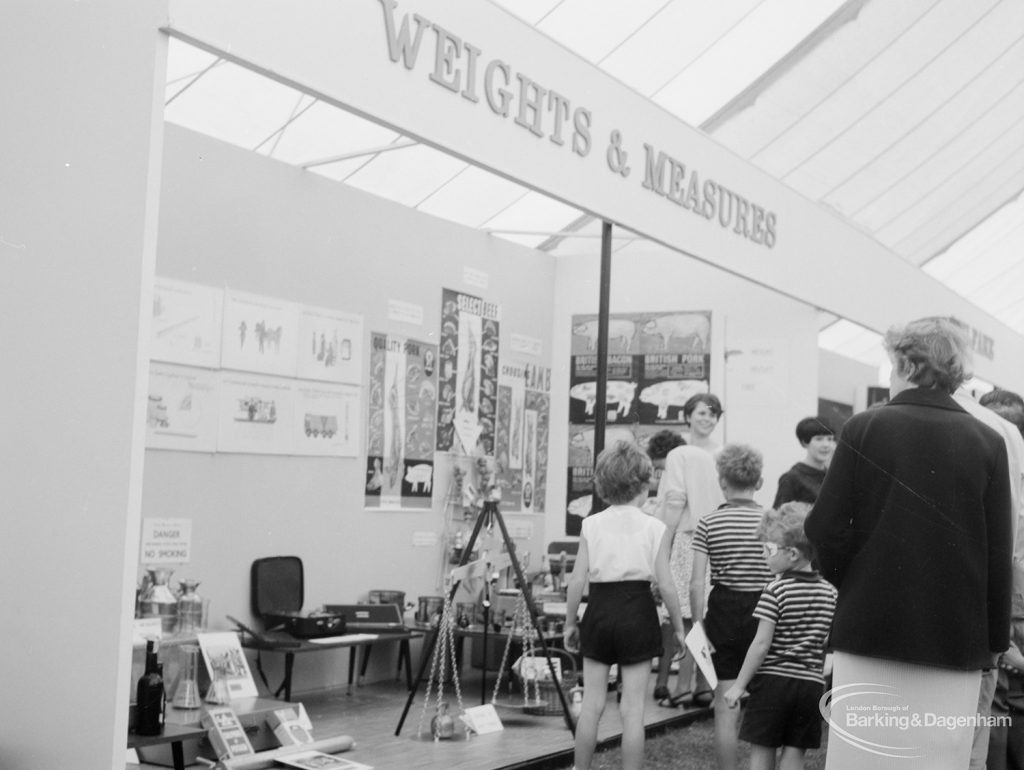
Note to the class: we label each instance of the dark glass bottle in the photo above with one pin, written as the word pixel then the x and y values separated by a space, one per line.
pixel 150 697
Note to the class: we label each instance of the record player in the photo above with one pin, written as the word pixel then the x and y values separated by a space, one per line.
pixel 277 592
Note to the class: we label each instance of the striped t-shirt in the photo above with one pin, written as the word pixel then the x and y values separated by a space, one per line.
pixel 729 537
pixel 800 604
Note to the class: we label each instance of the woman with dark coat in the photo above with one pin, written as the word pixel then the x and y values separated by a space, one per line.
pixel 913 526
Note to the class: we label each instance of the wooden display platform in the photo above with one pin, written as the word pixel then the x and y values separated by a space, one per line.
pixel 371 712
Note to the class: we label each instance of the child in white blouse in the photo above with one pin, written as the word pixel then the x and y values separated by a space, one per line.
pixel 622 550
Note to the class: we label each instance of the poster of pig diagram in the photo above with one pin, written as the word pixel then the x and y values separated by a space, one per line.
pixel 260 334
pixel 401 426
pixel 330 345
pixel 186 325
pixel 656 362
pixel 521 439
pixel 181 410
pixel 468 379
pixel 326 419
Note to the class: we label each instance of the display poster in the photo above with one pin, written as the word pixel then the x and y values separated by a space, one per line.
pixel 401 427
pixel 181 409
pixel 227 665
pixel 656 362
pixel 521 438
pixel 186 326
pixel 260 334
pixel 467 402
pixel 326 419
pixel 256 414
pixel 756 372
pixel 330 345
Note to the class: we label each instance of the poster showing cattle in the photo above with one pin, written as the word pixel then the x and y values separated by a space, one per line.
pixel 468 374
pixel 401 430
pixel 521 439
pixel 656 362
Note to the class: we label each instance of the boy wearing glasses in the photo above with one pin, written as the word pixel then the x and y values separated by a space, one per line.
pixel 783 667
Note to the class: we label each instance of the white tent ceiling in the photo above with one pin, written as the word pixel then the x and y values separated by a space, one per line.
pixel 904 117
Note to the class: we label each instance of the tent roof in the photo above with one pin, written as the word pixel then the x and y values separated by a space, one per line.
pixel 904 118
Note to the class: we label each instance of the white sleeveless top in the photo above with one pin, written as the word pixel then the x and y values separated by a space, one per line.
pixel 622 543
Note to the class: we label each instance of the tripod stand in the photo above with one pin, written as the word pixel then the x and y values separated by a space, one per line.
pixel 489 514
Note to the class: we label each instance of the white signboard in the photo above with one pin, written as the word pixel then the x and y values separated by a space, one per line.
pixel 186 323
pixel 181 409
pixel 330 345
pixel 260 334
pixel 166 541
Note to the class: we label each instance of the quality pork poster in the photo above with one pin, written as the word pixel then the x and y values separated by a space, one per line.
pixel 401 425
pixel 468 373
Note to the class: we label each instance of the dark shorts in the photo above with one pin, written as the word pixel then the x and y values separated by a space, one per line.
pixel 620 624
pixel 782 711
pixel 730 625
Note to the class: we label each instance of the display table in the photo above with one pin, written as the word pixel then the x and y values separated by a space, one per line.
pixel 283 642
pixel 186 738
pixel 173 734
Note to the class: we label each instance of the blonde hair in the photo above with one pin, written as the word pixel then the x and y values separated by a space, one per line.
pixel 622 472
pixel 935 352
pixel 785 526
pixel 740 465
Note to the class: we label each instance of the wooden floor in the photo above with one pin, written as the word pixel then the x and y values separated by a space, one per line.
pixel 372 712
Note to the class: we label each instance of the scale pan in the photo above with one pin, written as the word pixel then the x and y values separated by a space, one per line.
pixel 518 703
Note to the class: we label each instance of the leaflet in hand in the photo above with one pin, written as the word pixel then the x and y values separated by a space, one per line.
pixel 700 648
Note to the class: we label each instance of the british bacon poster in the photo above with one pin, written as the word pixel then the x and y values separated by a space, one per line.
pixel 656 363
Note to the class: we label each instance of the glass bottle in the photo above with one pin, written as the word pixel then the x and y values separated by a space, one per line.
pixel 160 601
pixel 186 694
pixel 150 697
pixel 190 608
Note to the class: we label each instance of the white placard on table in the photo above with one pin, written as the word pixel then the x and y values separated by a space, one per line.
pixel 482 719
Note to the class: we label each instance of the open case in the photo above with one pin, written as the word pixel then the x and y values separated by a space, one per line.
pixel 277 591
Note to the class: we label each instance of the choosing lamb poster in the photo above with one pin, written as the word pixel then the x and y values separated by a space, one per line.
pixel 401 425
pixel 521 439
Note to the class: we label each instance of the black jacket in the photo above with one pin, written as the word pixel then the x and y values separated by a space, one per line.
pixel 913 526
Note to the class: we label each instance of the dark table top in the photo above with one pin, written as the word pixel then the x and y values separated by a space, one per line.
pixel 282 641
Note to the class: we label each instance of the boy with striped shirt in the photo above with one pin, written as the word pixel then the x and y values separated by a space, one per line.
pixel 728 541
pixel 783 667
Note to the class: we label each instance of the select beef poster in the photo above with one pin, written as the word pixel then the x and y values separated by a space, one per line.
pixel 401 428
pixel 468 362
pixel 656 362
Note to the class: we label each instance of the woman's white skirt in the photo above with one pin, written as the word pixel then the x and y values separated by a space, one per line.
pixel 888 714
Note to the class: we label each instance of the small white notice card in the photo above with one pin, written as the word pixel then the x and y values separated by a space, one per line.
pixel 482 719
pixel 699 646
